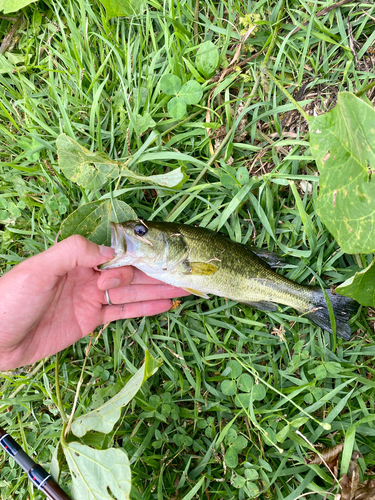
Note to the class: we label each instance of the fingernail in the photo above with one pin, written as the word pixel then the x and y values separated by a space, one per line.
pixel 110 283
pixel 106 251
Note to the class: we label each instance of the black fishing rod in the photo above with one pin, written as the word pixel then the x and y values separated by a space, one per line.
pixel 37 475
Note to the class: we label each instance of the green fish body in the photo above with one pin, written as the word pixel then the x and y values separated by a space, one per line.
pixel 205 262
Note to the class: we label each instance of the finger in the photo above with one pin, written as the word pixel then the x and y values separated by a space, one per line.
pixel 68 254
pixel 116 277
pixel 136 310
pixel 141 293
pixel 140 278
pixel 123 274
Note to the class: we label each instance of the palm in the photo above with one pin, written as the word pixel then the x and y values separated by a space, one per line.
pixel 75 311
pixel 55 298
pixel 59 314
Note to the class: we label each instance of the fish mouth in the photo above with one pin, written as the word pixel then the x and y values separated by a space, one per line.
pixel 117 240
pixel 121 244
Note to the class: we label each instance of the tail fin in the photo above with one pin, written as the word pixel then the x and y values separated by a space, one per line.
pixel 342 306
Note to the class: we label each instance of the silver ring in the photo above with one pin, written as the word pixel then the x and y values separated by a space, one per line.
pixel 108 299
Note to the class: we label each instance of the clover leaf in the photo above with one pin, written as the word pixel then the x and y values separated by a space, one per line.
pixel 189 93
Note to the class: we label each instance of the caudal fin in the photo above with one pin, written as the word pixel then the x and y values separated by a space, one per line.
pixel 342 306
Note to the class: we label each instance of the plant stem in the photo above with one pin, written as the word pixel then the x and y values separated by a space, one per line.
pixel 196 18
pixel 179 123
pixel 274 36
pixel 80 381
pixel 359 260
pixel 285 92
pixel 60 403
pixel 365 89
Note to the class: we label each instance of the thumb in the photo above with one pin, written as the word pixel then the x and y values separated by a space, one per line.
pixel 70 253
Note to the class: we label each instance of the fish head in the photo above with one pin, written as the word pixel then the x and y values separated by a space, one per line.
pixel 145 244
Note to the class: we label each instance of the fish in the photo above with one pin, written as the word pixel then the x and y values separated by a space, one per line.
pixel 205 262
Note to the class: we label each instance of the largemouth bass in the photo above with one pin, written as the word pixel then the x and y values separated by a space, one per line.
pixel 205 262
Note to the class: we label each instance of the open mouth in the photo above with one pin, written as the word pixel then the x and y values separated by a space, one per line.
pixel 118 242
pixel 124 245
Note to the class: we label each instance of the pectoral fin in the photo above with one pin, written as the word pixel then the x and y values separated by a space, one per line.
pixel 262 305
pixel 196 292
pixel 200 268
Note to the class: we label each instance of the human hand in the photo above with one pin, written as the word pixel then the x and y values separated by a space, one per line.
pixel 51 300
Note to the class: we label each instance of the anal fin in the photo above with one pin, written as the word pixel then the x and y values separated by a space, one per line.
pixel 197 292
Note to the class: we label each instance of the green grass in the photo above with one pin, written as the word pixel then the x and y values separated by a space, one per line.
pixel 74 72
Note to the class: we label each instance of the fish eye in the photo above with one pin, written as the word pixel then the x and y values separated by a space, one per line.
pixel 140 230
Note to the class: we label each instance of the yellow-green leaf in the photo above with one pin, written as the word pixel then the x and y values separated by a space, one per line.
pixel 103 419
pixel 92 170
pixel 361 286
pixel 343 144
pixel 92 220
pixel 118 8
pixel 98 474
pixel 86 168
pixel 7 6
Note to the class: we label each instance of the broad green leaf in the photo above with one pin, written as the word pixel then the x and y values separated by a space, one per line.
pixel 251 474
pixel 270 437
pixel 228 181
pixel 243 175
pixel 343 144
pixel 7 6
pixel 239 443
pixel 178 439
pixel 89 170
pixel 122 212
pixel 173 179
pixel 308 399
pixel 298 422
pixel 103 419
pixel 320 372
pixel 231 457
pixel 259 392
pixel 231 436
pixel 281 435
pixel 118 8
pixel 251 489
pixel 242 400
pixel 245 382
pixel 191 92
pixel 98 474
pixel 361 286
pixel 235 368
pixel 92 170
pixel 143 123
pixel 139 97
pixel 55 468
pixel 176 108
pixel 228 387
pixel 333 367
pixel 207 59
pixel 170 84
pixel 238 481
pixel 92 220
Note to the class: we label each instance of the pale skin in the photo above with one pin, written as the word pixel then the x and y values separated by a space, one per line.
pixel 53 299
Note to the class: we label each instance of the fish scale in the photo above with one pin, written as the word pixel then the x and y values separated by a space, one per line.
pixel 241 275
